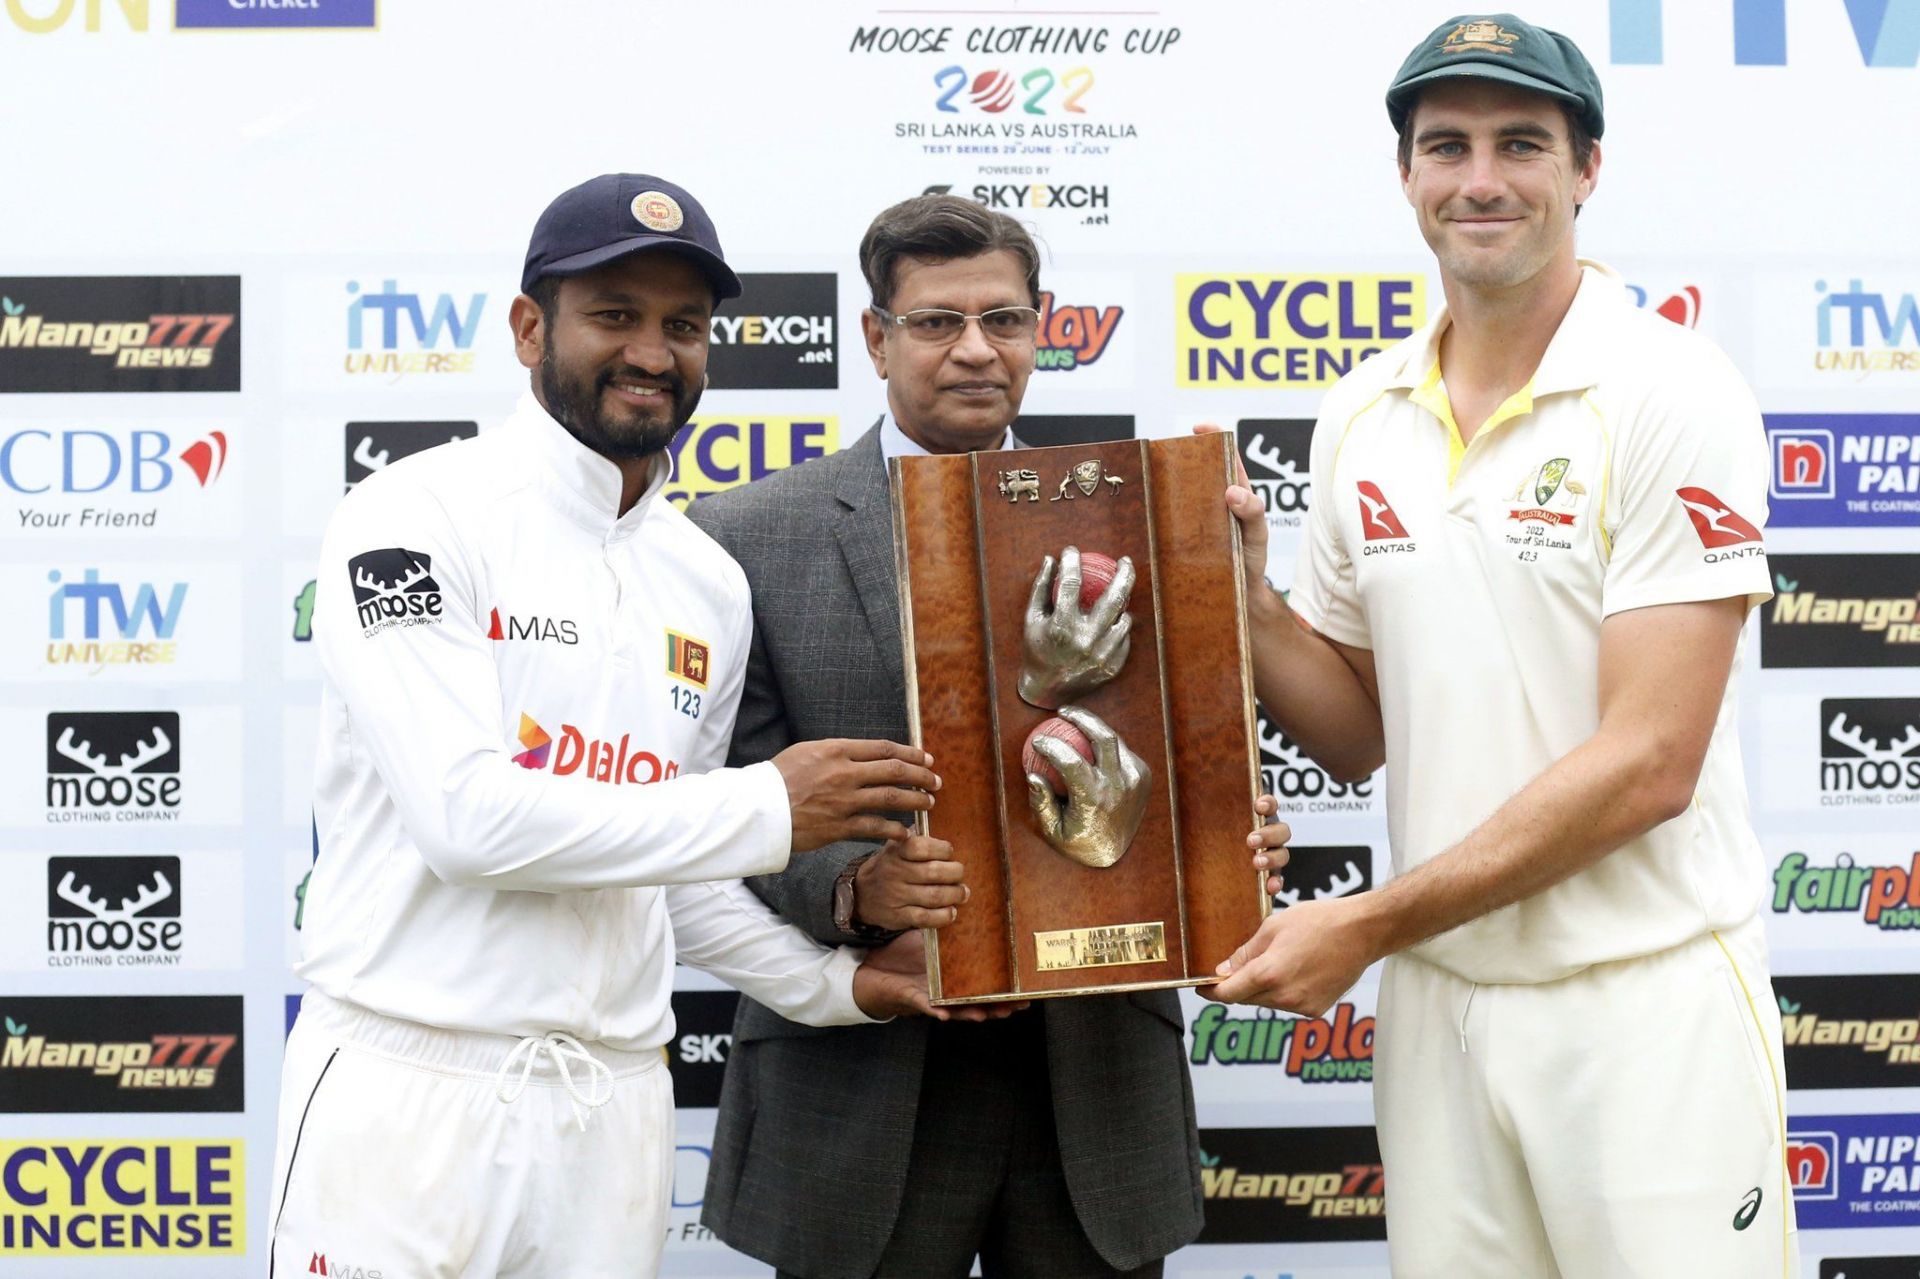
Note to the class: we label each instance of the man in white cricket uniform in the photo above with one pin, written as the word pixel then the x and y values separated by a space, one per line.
pixel 532 666
pixel 1534 539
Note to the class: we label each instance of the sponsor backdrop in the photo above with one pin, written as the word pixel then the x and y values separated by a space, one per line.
pixel 291 266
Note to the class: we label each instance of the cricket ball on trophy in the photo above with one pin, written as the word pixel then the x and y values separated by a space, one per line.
pixel 1096 571
pixel 1034 762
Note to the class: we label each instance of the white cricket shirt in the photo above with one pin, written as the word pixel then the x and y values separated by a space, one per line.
pixel 522 812
pixel 1632 471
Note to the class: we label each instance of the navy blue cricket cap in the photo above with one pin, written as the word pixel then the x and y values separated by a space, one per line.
pixel 1500 47
pixel 615 214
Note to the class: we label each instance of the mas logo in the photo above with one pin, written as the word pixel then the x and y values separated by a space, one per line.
pixel 1844 470
pixel 123 1198
pixel 1288 331
pixel 715 453
pixel 119 332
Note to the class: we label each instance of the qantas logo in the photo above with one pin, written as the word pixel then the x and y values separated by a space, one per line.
pixel 615 762
pixel 1379 523
pixel 1718 525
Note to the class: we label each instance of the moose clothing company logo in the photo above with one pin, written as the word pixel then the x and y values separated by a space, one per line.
pixel 394 587
pixel 1292 1185
pixel 121 912
pixel 113 1197
pixel 1869 751
pixel 1851 1032
pixel 114 1054
pixel 1855 1170
pixel 374 446
pixel 1842 610
pixel 778 336
pixel 1318 873
pixel 1275 452
pixel 1302 786
pixel 1844 470
pixel 120 333
pixel 113 766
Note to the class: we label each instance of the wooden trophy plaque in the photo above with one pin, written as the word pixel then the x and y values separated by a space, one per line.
pixel 1143 878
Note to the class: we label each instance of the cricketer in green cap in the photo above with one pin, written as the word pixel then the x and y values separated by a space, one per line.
pixel 1500 47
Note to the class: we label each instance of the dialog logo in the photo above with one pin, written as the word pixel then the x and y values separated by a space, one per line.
pixel 120 333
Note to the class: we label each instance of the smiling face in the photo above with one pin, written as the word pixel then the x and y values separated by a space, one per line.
pixel 622 360
pixel 961 396
pixel 1492 179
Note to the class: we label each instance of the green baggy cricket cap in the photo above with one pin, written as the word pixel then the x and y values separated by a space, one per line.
pixel 1500 47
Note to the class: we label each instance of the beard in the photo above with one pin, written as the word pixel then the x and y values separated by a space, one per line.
pixel 575 401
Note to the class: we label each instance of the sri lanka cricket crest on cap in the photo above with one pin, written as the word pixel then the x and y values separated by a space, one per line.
pixel 657 211
pixel 688 659
pixel 1481 36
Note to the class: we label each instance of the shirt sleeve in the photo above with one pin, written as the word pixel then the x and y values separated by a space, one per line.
pixel 723 929
pixel 402 645
pixel 1686 500
pixel 1325 594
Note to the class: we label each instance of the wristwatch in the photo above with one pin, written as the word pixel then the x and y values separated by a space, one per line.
pixel 843 904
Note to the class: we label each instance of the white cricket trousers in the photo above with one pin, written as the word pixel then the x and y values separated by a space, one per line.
pixel 1627 1121
pixel 397 1153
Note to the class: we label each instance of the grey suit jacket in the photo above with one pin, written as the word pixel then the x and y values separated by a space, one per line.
pixel 816 1125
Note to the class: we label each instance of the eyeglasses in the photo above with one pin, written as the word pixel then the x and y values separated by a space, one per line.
pixel 935 326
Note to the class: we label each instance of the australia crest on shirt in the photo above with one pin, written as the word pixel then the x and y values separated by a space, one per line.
pixel 1548 504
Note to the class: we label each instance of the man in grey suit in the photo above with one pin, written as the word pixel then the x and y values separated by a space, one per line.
pixel 1057 1142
